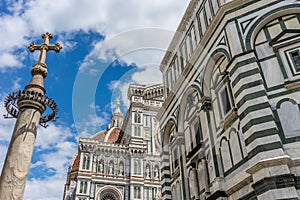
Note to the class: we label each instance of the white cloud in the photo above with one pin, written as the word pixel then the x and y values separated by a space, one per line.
pixel 16 84
pixel 51 188
pixel 110 18
pixel 8 60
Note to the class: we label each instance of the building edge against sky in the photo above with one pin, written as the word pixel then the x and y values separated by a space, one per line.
pixel 228 121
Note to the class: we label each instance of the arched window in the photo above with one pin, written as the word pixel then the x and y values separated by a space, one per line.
pixel 289 115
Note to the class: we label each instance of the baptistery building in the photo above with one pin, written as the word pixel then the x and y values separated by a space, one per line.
pixel 230 122
pixel 123 161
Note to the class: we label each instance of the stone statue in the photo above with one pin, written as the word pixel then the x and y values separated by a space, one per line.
pixel 156 173
pixel 147 171
pixel 121 169
pixel 101 167
pixel 111 168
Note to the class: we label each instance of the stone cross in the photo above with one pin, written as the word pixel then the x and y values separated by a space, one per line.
pixel 30 106
pixel 44 47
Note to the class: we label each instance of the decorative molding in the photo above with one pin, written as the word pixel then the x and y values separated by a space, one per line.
pixel 16 100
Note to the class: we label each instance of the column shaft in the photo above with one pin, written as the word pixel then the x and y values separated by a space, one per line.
pixel 18 158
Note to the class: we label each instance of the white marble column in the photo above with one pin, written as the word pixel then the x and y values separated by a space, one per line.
pixel 18 159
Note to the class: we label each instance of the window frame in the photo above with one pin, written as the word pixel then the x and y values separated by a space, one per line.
pixel 224 85
pixel 291 61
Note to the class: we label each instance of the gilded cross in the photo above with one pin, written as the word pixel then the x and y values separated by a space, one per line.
pixel 45 47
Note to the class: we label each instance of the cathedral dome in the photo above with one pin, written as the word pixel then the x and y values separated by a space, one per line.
pixel 112 135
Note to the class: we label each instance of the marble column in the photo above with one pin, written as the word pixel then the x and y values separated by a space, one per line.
pixel 31 103
pixel 18 159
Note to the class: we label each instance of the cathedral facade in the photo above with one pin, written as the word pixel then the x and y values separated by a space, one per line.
pixel 230 122
pixel 123 161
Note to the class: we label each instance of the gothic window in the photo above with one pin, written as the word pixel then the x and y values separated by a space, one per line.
pixel 83 187
pixel 137 192
pixel 86 162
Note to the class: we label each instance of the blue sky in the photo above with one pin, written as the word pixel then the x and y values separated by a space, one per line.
pixel 107 44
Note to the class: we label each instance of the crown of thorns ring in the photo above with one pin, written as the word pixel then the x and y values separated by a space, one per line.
pixel 12 109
